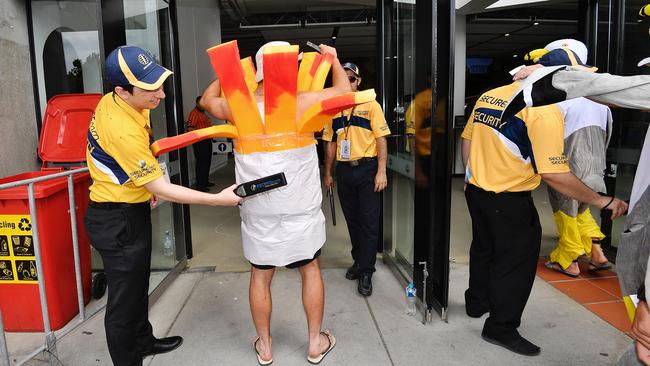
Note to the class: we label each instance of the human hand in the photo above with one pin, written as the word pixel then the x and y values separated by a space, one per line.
pixel 227 197
pixel 380 181
pixel 328 181
pixel 618 207
pixel 641 332
pixel 153 201
pixel 642 353
pixel 327 49
pixel 526 71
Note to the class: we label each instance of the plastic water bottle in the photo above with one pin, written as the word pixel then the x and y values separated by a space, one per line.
pixel 410 299
pixel 168 245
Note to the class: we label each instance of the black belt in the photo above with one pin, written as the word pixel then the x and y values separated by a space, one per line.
pixel 115 205
pixel 471 187
pixel 358 161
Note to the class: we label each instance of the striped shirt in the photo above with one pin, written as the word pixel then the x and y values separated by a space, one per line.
pixel 198 120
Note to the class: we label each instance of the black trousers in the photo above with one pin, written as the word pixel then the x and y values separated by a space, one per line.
pixel 362 209
pixel 203 157
pixel 122 235
pixel 506 237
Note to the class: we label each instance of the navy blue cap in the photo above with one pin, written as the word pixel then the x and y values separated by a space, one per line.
pixel 352 67
pixel 130 65
pixel 562 56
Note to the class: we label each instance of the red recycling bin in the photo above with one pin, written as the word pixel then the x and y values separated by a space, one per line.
pixel 63 140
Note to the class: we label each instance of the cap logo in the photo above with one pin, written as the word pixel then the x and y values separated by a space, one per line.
pixel 143 59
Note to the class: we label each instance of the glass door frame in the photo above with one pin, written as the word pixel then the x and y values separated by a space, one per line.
pixel 433 249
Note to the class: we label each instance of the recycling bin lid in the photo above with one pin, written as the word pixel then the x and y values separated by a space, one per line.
pixel 65 127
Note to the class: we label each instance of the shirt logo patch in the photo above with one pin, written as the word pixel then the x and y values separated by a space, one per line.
pixel 558 160
pixel 143 164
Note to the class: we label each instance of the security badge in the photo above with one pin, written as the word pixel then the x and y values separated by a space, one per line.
pixel 345 149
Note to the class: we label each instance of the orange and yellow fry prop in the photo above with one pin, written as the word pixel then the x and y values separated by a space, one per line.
pixel 321 113
pixel 168 144
pixel 283 81
pixel 225 61
pixel 314 68
pixel 280 89
pixel 249 73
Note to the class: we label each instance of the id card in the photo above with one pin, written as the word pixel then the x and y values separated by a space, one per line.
pixel 345 150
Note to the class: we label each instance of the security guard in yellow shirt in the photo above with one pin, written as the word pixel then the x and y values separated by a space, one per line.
pixel 505 161
pixel 126 180
pixel 358 140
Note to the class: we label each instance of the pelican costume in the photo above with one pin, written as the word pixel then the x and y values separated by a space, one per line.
pixel 283 225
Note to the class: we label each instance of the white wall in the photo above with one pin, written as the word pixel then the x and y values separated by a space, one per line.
pixel 199 28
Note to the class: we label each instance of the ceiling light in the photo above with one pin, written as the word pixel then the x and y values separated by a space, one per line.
pixel 515 56
pixel 536 23
pixel 507 34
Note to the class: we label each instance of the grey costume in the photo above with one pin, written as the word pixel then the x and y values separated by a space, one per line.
pixel 588 127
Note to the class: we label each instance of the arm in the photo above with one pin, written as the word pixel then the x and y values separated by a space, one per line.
pixel 382 152
pixel 569 185
pixel 330 154
pixel 175 193
pixel 214 103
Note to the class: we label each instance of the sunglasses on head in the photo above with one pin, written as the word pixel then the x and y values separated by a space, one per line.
pixel 352 78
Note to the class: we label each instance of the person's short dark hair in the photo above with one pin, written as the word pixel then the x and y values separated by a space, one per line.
pixel 197 99
pixel 127 87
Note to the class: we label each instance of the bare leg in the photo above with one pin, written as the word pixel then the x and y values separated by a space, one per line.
pixel 313 295
pixel 259 294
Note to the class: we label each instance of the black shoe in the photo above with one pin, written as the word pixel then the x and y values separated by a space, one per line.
pixel 163 345
pixel 516 344
pixel 353 272
pixel 365 284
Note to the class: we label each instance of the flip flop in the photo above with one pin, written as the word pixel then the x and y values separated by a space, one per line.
pixel 317 360
pixel 594 267
pixel 259 358
pixel 558 268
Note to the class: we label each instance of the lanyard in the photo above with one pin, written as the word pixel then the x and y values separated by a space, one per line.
pixel 346 127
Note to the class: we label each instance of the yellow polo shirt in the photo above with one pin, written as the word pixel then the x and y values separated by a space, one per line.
pixel 361 125
pixel 118 154
pixel 509 156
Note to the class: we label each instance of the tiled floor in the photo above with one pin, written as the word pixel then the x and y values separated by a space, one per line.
pixel 597 291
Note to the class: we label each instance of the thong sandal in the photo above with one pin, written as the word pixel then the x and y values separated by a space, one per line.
pixel 317 360
pixel 259 358
pixel 595 267
pixel 555 266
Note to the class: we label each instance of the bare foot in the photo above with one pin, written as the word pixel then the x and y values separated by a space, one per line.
pixel 263 348
pixel 573 268
pixel 319 346
pixel 597 256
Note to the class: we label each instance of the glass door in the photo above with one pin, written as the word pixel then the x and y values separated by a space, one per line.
pixel 417 99
pixel 147 25
pixel 399 202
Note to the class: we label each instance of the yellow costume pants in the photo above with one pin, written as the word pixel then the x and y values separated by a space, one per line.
pixel 576 235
